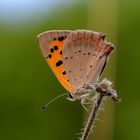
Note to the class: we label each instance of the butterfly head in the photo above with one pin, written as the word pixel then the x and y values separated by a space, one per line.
pixel 71 97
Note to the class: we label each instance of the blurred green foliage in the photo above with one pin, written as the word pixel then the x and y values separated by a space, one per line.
pixel 27 82
pixel 127 116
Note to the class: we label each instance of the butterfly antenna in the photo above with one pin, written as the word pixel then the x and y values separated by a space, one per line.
pixel 46 105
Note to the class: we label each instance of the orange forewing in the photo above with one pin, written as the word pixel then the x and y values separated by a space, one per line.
pixel 58 70
pixel 55 57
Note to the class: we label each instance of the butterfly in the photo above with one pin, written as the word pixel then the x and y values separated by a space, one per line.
pixel 77 58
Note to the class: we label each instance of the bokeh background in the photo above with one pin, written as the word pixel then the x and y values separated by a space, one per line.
pixel 26 82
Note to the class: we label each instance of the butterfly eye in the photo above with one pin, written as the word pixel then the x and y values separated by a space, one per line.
pixel 70 96
pixel 71 57
pixel 70 71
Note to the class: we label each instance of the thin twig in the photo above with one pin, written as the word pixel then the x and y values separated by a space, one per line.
pixel 92 117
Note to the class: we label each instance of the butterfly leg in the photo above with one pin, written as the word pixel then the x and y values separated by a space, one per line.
pixel 84 99
pixel 83 104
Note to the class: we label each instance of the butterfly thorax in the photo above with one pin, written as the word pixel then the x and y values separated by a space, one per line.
pixel 88 91
pixel 85 92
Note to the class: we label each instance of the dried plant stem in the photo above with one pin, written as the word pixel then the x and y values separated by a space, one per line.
pixel 104 89
pixel 91 118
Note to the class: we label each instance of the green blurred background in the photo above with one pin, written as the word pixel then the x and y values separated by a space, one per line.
pixel 26 81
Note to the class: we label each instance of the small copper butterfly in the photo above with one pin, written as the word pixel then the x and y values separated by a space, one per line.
pixel 77 58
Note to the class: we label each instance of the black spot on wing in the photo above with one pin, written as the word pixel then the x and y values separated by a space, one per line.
pixel 59 63
pixel 54 39
pixel 64 73
pixel 49 56
pixel 61 52
pixel 51 50
pixel 66 58
pixel 61 38
pixel 55 47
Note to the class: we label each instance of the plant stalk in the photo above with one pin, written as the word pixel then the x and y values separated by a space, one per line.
pixel 92 117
